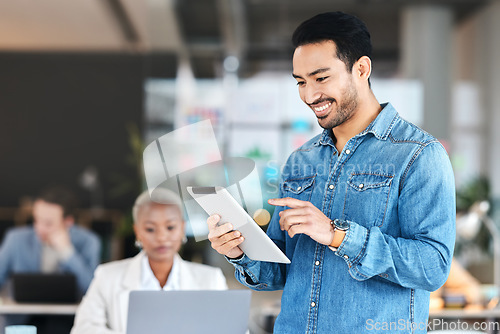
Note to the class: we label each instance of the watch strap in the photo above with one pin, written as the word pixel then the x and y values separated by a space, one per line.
pixel 339 230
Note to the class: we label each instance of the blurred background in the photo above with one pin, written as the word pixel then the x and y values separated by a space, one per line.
pixel 86 84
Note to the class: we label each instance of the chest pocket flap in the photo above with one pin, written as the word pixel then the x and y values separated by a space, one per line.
pixel 299 187
pixel 365 181
pixel 366 198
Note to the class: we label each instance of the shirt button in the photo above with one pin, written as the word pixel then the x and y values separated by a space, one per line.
pixel 330 186
pixel 316 263
pixel 347 151
pixel 346 257
pixel 313 304
pixel 299 188
pixel 361 185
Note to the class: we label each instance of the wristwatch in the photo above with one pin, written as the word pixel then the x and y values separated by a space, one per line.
pixel 338 225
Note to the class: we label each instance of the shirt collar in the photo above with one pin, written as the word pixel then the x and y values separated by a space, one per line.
pixel 149 281
pixel 326 138
pixel 380 127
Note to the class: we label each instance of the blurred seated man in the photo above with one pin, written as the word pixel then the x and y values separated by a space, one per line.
pixel 159 231
pixel 53 244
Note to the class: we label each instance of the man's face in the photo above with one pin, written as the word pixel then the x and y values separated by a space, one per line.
pixel 324 83
pixel 48 218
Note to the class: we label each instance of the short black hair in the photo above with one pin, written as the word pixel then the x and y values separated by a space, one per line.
pixel 62 196
pixel 348 32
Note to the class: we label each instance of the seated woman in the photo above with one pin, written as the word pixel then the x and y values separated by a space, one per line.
pixel 159 229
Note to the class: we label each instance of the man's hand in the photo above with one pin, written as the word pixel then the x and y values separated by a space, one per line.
pixel 304 217
pixel 223 239
pixel 59 239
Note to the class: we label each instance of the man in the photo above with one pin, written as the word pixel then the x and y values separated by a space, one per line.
pixel 53 244
pixel 367 208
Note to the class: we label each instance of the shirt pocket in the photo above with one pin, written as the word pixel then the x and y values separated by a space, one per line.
pixel 299 188
pixel 366 198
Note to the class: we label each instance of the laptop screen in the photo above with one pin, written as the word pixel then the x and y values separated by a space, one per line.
pixel 44 288
pixel 203 311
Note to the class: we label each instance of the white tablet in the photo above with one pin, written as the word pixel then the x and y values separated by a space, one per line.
pixel 257 245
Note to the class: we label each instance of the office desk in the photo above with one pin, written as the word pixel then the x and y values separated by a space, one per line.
pixel 490 318
pixel 9 306
pixel 487 317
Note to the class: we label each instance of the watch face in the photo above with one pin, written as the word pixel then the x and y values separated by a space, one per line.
pixel 341 224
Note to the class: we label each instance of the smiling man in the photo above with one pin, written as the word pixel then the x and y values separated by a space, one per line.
pixel 366 212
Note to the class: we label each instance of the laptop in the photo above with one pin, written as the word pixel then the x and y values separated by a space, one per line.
pixel 189 312
pixel 56 288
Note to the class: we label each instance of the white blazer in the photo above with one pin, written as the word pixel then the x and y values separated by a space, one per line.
pixel 103 309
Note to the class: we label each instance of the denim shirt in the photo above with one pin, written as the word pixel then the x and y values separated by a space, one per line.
pixel 393 186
